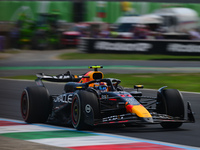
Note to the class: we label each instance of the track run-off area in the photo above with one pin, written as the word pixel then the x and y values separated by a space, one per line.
pixel 78 140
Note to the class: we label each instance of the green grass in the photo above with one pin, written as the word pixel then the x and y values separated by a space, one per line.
pixel 125 56
pixel 181 81
pixel 24 77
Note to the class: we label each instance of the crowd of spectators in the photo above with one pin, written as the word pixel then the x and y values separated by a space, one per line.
pixel 137 32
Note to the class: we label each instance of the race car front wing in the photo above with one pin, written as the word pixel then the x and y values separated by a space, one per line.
pixel 156 118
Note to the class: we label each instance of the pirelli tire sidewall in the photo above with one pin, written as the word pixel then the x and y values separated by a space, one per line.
pixel 84 110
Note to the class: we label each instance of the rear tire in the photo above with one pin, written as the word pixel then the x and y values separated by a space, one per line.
pixel 170 102
pixel 35 104
pixel 84 109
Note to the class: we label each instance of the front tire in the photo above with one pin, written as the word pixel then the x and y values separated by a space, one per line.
pixel 35 104
pixel 84 109
pixel 170 102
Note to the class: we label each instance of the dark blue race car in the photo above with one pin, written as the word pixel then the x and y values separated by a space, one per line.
pixel 90 100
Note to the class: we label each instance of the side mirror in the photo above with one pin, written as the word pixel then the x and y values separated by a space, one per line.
pixel 138 87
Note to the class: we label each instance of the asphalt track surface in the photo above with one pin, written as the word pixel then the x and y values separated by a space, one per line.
pixel 188 134
pixel 10 91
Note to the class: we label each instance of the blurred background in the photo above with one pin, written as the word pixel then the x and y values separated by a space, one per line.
pixel 58 24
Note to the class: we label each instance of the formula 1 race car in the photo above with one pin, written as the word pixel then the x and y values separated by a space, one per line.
pixel 90 99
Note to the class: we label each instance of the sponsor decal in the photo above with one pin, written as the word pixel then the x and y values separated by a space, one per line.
pixel 64 98
pixel 87 108
pixel 189 48
pixel 82 46
pixel 132 101
pixel 62 77
pixel 113 118
pixel 120 46
pixel 104 96
pixel 39 82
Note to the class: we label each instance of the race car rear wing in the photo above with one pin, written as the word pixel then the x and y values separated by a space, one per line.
pixel 66 77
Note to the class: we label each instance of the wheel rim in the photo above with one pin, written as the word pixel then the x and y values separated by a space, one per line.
pixel 75 111
pixel 24 105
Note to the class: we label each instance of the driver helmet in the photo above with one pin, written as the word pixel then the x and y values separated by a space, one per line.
pixel 103 86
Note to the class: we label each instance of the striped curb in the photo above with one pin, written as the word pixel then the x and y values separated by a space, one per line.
pixel 78 140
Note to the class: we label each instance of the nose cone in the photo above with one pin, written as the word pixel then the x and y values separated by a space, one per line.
pixel 140 111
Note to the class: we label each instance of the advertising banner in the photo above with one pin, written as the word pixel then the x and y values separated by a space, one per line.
pixel 168 47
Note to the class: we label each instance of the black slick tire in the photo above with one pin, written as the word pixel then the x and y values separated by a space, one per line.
pixel 35 104
pixel 170 102
pixel 84 107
